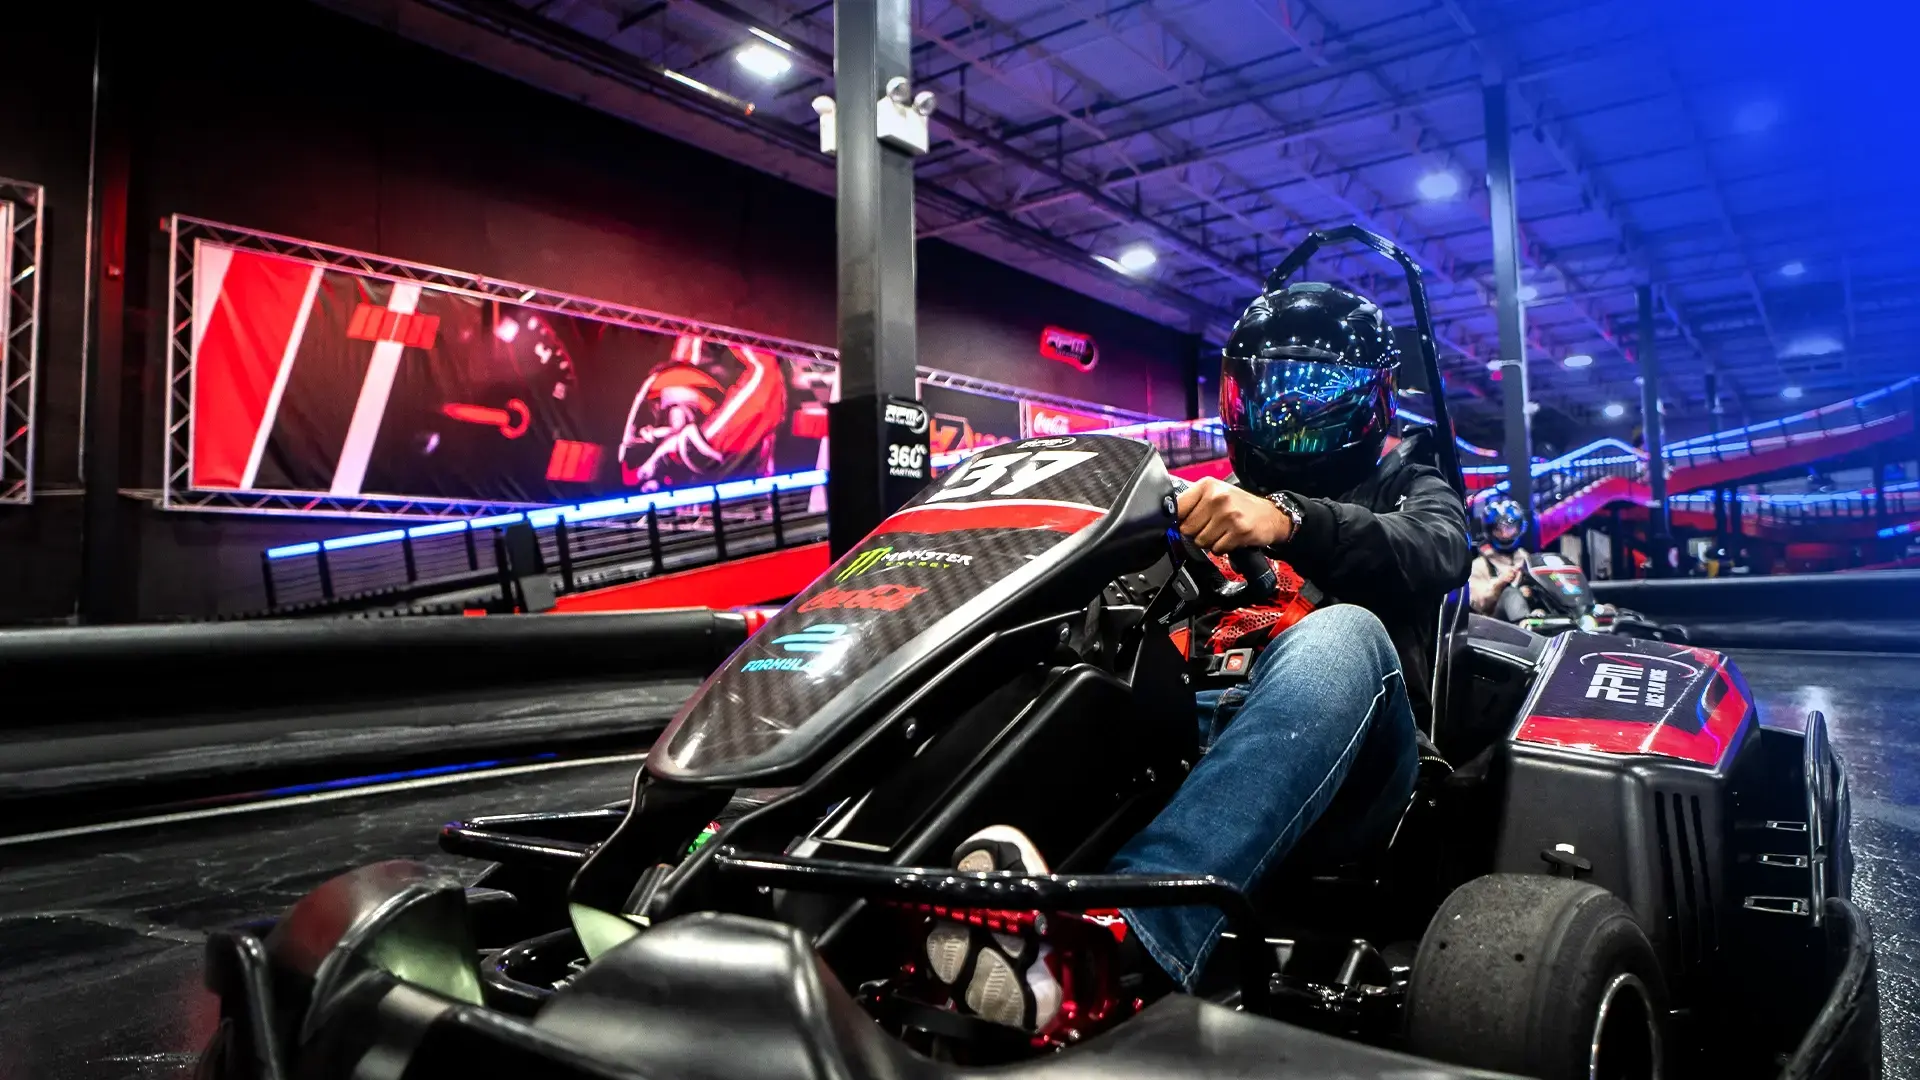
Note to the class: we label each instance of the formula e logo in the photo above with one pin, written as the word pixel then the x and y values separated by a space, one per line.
pixel 878 598
pixel 1622 683
pixel 885 558
pixel 824 642
pixel 1631 679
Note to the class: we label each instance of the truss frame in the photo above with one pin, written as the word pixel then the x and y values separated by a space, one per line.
pixel 22 208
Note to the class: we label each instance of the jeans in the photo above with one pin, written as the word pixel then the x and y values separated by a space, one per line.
pixel 1324 710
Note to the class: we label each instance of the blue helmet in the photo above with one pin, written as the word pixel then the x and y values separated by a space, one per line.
pixel 1503 523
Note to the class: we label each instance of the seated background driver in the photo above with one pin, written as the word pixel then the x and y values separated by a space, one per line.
pixel 1307 402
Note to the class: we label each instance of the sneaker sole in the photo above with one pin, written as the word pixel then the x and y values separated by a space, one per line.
pixel 948 947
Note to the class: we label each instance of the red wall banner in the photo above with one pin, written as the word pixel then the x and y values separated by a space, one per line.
pixel 314 380
pixel 308 378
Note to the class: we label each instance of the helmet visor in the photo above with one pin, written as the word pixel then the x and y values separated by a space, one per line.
pixel 1288 406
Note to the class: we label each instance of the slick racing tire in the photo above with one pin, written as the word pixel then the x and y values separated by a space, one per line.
pixel 1540 976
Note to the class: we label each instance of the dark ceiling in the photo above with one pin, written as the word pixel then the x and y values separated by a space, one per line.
pixel 1731 154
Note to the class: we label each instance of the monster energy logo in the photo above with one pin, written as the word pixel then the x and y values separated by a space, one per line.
pixel 885 558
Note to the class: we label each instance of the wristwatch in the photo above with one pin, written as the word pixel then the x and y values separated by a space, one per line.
pixel 1285 504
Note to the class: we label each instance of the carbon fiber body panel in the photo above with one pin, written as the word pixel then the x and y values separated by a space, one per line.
pixel 1037 525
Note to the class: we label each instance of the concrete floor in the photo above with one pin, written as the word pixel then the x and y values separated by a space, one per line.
pixel 100 937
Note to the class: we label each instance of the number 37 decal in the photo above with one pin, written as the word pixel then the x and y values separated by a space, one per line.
pixel 1013 473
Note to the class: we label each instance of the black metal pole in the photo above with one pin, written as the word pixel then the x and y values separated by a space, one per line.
pixel 266 576
pixel 653 540
pixel 1518 444
pixel 719 533
pixel 564 551
pixel 779 524
pixel 1659 525
pixel 108 531
pixel 873 44
pixel 473 550
pixel 406 556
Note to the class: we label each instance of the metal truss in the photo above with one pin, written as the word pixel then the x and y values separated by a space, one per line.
pixel 21 207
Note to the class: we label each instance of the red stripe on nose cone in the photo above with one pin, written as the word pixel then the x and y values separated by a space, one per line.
pixel 927 520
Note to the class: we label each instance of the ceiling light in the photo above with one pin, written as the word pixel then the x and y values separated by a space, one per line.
pixel 1495 365
pixel 769 38
pixel 764 62
pixel 1791 393
pixel 1527 294
pixel 1532 407
pixel 1137 259
pixel 1793 269
pixel 1578 360
pixel 1439 186
pixel 1755 117
pixel 1815 344
pixel 1615 411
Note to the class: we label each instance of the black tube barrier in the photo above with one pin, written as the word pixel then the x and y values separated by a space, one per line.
pixel 116 707
pixel 1871 611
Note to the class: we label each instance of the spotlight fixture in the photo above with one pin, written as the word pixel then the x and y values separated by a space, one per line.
pixel 1527 294
pixel 1791 393
pixel 1438 186
pixel 1793 269
pixel 1578 360
pixel 1137 259
pixel 1615 410
pixel 763 61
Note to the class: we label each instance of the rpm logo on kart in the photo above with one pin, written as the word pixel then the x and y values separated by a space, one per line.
pixel 818 648
pixel 877 598
pixel 1632 679
pixel 1006 476
pixel 886 558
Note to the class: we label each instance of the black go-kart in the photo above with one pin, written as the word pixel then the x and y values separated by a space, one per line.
pixel 1610 868
pixel 1555 597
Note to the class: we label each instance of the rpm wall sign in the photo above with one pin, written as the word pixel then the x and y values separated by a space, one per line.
pixel 1069 347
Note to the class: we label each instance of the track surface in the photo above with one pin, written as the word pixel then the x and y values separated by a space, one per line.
pixel 100 935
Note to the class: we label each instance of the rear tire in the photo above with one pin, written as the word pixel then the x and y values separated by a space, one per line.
pixel 1540 976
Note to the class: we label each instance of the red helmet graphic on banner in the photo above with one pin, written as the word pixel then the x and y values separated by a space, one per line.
pixel 711 412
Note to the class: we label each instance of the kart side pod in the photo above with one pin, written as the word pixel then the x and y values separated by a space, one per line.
pixel 1642 767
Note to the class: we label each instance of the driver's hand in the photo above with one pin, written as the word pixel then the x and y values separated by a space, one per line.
pixel 1222 518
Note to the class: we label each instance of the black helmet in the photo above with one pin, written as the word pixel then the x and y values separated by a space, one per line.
pixel 1503 523
pixel 1307 390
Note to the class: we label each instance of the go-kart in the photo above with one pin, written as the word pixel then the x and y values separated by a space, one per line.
pixel 1556 597
pixel 1610 866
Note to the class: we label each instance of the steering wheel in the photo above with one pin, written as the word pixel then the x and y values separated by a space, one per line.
pixel 1259 584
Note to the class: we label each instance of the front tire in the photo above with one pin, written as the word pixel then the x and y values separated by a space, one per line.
pixel 1540 976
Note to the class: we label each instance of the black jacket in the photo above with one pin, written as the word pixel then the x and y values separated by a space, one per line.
pixel 1395 545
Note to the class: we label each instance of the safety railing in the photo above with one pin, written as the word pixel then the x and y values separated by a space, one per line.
pixel 596 544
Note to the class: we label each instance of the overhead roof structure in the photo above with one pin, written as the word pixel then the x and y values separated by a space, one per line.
pixel 1729 154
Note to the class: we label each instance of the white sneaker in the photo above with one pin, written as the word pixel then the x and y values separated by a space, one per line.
pixel 1005 978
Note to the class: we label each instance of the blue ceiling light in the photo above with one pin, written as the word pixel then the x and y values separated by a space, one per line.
pixel 1756 117
pixel 1813 344
pixel 1791 393
pixel 1137 259
pixel 1527 294
pixel 1615 411
pixel 1578 360
pixel 1793 269
pixel 763 62
pixel 1439 186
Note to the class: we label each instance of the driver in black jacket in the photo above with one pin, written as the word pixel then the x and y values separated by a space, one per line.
pixel 1318 747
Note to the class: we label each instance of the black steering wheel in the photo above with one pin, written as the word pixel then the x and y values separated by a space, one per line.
pixel 1259 584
